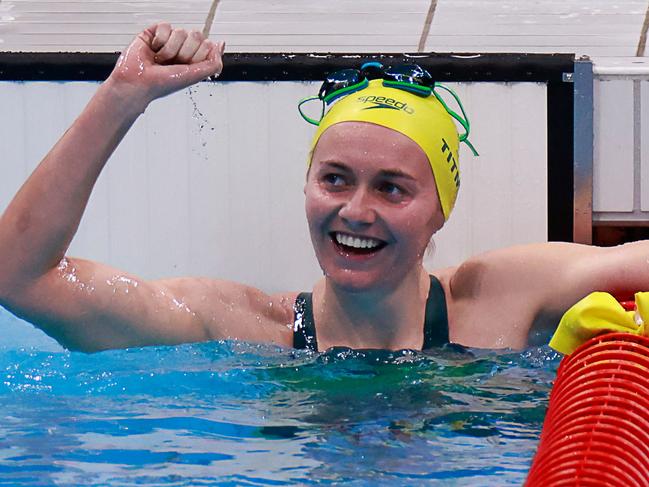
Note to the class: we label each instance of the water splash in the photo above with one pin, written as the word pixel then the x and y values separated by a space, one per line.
pixel 205 128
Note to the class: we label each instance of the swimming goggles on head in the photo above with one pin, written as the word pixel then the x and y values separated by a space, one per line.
pixel 407 77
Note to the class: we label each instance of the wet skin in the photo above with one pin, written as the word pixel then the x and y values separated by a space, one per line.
pixel 372 207
pixel 370 182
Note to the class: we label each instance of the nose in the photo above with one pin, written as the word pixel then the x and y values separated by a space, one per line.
pixel 358 210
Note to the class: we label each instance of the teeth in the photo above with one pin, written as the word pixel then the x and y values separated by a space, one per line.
pixel 356 242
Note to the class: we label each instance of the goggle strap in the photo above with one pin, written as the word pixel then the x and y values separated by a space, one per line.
pixel 462 120
pixel 306 117
pixel 371 64
pixel 345 91
pixel 411 87
pixel 417 89
pixel 470 145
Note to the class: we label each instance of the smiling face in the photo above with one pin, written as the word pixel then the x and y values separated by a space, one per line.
pixel 371 204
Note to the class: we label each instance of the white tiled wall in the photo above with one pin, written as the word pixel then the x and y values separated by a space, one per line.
pixel 593 27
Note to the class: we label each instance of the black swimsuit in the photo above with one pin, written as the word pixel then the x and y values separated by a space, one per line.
pixel 435 321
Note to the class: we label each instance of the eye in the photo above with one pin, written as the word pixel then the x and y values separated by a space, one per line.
pixel 334 179
pixel 392 190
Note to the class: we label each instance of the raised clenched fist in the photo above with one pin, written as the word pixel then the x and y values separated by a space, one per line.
pixel 161 60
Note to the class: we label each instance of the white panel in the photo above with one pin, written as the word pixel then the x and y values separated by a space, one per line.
pixel 209 169
pixel 644 148
pixel 490 196
pixel 128 213
pixel 613 151
pixel 290 243
pixel 166 127
pixel 210 183
pixel 44 120
pixel 528 160
pixel 503 194
pixel 12 147
pixel 248 181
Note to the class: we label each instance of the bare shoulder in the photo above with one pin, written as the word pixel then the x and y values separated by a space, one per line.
pixel 508 291
pixel 523 269
pixel 231 310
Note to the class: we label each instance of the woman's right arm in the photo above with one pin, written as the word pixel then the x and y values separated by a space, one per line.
pixel 83 304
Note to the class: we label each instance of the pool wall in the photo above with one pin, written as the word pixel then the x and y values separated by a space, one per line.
pixel 209 181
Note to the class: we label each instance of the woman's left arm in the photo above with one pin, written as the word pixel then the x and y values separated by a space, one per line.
pixel 581 269
pixel 523 289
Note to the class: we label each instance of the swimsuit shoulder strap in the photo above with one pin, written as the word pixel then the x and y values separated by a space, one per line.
pixel 436 320
pixel 303 325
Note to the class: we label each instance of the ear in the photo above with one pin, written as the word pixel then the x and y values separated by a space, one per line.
pixel 439 221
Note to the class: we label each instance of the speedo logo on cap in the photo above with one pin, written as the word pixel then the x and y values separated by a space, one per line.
pixel 383 102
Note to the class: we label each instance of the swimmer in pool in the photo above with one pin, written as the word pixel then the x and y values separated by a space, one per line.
pixel 375 195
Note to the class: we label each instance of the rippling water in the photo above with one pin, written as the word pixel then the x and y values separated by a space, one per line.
pixel 231 413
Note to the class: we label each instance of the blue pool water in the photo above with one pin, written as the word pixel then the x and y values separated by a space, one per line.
pixel 228 413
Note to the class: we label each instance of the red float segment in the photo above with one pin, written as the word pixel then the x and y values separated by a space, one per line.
pixel 596 430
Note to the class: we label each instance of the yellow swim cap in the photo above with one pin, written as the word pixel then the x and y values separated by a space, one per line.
pixel 424 120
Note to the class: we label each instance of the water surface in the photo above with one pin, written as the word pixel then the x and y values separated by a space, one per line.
pixel 231 413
